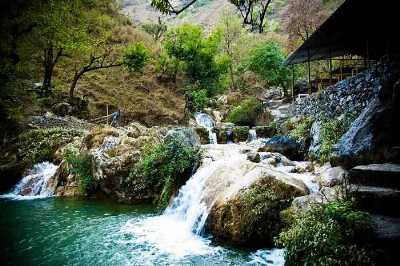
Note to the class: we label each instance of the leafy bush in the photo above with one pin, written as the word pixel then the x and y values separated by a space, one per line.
pixel 39 145
pixel 165 166
pixel 331 234
pixel 199 99
pixel 301 131
pixel 81 167
pixel 246 113
pixel 266 60
pixel 136 56
pixel 198 54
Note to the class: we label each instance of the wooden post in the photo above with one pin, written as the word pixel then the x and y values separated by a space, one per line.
pixel 107 113
pixel 309 71
pixel 293 78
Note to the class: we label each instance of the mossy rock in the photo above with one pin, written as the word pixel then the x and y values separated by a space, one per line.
pixel 222 136
pixel 203 134
pixel 96 136
pixel 265 131
pixel 253 216
pixel 240 133
pixel 40 145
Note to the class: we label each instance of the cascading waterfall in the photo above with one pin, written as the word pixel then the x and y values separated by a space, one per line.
pixel 252 135
pixel 206 121
pixel 36 183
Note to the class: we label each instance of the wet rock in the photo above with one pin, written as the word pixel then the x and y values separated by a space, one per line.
pixel 333 176
pixel 240 133
pixel 203 135
pixel 253 157
pixel 62 109
pixel 265 131
pixel 284 145
pixel 252 217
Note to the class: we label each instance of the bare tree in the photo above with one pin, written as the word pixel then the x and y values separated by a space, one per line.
pixel 95 62
pixel 302 18
pixel 253 12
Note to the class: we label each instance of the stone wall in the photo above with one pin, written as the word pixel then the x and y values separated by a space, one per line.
pixel 347 96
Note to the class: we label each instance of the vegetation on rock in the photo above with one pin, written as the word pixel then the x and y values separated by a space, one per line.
pixel 165 167
pixel 246 113
pixel 331 234
pixel 39 145
pixel 80 165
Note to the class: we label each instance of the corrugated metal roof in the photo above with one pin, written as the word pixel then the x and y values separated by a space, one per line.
pixel 366 28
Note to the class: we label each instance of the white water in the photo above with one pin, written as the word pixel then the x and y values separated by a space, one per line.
pixel 35 184
pixel 252 135
pixel 206 121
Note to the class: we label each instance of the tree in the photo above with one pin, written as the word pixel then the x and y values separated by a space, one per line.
pixel 302 18
pixel 136 56
pixel 156 30
pixel 267 60
pixel 253 12
pixel 198 54
pixel 60 29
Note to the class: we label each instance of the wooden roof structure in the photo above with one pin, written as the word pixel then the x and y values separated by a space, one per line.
pixel 367 28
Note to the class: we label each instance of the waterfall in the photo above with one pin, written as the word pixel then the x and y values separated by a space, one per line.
pixel 36 183
pixel 252 135
pixel 206 121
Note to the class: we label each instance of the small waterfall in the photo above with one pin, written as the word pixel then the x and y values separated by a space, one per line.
pixel 207 122
pixel 252 135
pixel 36 183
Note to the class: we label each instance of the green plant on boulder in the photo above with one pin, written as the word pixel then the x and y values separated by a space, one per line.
pixel 301 131
pixel 164 168
pixel 39 145
pixel 331 234
pixel 80 165
pixel 246 113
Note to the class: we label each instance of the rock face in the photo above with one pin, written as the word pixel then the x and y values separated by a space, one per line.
pixel 284 145
pixel 265 131
pixel 333 176
pixel 315 144
pixel 252 216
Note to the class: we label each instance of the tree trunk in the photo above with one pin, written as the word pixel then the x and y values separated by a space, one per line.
pixel 48 74
pixel 73 85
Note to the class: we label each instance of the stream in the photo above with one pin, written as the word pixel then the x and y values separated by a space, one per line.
pixel 60 231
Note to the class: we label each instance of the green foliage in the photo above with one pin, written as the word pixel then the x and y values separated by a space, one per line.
pixel 81 166
pixel 301 131
pixel 266 60
pixel 199 99
pixel 165 165
pixel 331 234
pixel 39 145
pixel 331 131
pixel 246 113
pixel 136 56
pixel 198 55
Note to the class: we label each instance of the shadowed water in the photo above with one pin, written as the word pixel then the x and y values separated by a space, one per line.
pixel 56 231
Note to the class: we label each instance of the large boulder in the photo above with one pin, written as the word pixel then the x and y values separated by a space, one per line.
pixel 315 135
pixel 333 176
pixel 265 131
pixel 284 145
pixel 252 216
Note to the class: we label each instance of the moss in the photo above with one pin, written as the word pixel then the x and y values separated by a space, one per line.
pixel 203 134
pixel 253 216
pixel 331 234
pixel 266 131
pixel 96 136
pixel 246 113
pixel 240 133
pixel 40 144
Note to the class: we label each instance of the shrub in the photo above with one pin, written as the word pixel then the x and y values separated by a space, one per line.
pixel 81 166
pixel 246 113
pixel 331 234
pixel 301 131
pixel 165 165
pixel 136 56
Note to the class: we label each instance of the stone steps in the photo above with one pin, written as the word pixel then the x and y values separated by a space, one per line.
pixel 377 200
pixel 378 175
